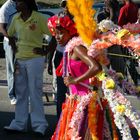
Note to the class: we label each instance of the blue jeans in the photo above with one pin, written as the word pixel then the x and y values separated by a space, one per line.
pixel 28 84
pixel 9 67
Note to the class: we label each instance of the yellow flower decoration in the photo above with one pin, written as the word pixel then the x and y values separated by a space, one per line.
pixel 110 84
pixel 84 18
pixel 138 89
pixel 120 76
pixel 121 34
pixel 94 138
pixel 104 30
pixel 101 76
pixel 120 109
pixel 139 133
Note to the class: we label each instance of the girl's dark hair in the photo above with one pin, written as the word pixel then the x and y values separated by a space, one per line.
pixel 31 4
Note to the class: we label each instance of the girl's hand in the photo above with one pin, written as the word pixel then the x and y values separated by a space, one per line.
pixel 69 80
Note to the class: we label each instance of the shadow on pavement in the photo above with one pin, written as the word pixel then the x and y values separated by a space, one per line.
pixel 50 103
pixel 5 119
pixel 3 83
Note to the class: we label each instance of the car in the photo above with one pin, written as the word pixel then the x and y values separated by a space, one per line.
pixel 98 7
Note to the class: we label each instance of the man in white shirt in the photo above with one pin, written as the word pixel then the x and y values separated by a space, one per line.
pixel 7 11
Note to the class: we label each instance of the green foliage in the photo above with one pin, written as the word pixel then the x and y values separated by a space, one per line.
pixel 2 1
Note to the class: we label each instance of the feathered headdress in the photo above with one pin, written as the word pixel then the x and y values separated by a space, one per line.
pixel 84 18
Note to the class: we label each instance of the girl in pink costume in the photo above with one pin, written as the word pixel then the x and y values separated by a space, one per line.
pixel 89 113
pixel 80 67
pixel 76 69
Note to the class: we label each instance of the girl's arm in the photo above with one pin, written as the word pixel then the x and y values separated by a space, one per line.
pixel 94 67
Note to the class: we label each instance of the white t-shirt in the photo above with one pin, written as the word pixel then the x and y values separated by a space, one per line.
pixel 7 12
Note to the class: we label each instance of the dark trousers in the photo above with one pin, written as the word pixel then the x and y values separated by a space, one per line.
pixel 61 95
pixel 133 72
pixel 131 66
pixel 117 63
pixel 61 88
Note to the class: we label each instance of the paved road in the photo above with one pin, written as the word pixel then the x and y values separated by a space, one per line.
pixel 7 110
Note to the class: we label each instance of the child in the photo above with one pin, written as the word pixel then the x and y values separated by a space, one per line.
pixel 81 68
pixel 84 115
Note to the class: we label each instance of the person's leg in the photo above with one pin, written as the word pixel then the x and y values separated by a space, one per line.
pixel 61 95
pixel 9 68
pixel 35 84
pixel 133 72
pixel 54 80
pixel 117 63
pixel 21 90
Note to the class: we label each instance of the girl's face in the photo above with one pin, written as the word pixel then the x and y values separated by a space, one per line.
pixel 62 36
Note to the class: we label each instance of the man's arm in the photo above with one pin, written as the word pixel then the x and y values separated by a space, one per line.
pixel 47 50
pixel 3 29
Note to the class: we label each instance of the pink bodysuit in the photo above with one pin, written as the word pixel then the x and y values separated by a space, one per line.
pixel 76 69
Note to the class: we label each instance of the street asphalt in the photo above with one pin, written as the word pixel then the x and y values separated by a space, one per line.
pixel 7 110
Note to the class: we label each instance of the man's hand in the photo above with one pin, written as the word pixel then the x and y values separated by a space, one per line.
pixel 12 43
pixel 41 51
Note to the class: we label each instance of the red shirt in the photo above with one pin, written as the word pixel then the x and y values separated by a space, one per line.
pixel 128 14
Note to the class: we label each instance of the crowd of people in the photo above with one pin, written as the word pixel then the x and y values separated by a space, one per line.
pixel 90 104
pixel 121 16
